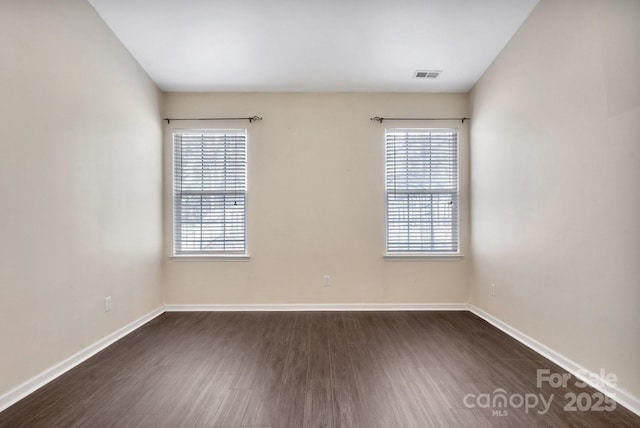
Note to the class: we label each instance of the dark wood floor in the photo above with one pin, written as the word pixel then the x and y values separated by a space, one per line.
pixel 297 369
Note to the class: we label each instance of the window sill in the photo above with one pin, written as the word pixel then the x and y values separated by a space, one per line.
pixel 423 257
pixel 211 258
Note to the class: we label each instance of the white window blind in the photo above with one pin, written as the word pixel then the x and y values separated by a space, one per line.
pixel 210 190
pixel 421 168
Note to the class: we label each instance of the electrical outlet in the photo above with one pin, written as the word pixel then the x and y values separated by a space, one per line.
pixel 326 280
pixel 107 303
pixel 493 289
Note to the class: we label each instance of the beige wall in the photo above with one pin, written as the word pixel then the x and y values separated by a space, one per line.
pixel 80 185
pixel 315 202
pixel 555 172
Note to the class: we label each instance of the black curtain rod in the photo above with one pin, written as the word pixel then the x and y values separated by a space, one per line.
pixel 250 119
pixel 380 119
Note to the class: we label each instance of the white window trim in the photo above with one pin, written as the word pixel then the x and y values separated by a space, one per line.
pixel 211 258
pixel 429 257
pixel 423 256
pixel 203 257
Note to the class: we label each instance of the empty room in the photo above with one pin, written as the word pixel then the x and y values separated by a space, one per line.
pixel 416 213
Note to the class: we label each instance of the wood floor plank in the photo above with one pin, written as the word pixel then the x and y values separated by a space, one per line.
pixel 318 404
pixel 266 387
pixel 289 411
pixel 231 411
pixel 348 402
pixel 299 370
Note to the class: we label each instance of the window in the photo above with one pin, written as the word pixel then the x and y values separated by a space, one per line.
pixel 210 192
pixel 421 169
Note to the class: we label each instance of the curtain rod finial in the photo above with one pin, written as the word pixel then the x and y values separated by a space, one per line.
pixel 377 119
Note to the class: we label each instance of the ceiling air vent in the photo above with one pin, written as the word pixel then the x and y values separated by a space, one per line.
pixel 427 74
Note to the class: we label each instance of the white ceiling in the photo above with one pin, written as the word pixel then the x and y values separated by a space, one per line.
pixel 314 45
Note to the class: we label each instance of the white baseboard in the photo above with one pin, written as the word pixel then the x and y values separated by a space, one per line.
pixel 620 396
pixel 322 307
pixel 50 374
